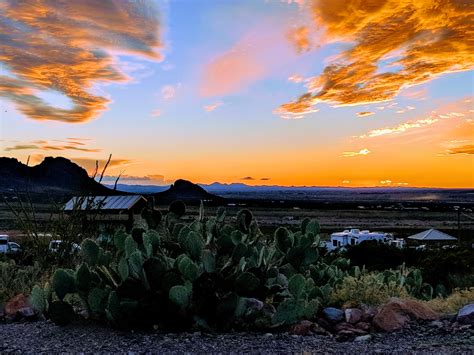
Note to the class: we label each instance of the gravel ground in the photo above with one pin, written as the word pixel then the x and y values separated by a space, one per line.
pixel 45 337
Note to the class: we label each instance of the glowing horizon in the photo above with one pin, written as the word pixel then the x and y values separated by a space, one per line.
pixel 290 93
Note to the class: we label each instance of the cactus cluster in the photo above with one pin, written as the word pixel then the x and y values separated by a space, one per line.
pixel 215 272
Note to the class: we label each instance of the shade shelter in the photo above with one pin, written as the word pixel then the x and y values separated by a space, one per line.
pixel 432 235
pixel 114 209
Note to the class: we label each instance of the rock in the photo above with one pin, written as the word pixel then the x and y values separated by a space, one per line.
pixel 251 308
pixel 15 304
pixel 344 326
pixel 302 328
pixel 466 314
pixel 363 338
pixel 437 324
pixel 334 315
pixel 26 312
pixel 363 326
pixel 368 313
pixel 305 327
pixel 396 313
pixel 345 335
pixel 353 315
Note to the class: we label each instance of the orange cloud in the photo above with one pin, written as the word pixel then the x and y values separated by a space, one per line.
pixel 427 39
pixel 365 113
pixel 464 149
pixel 296 110
pixel 299 37
pixel 364 151
pixel 66 47
pixel 69 144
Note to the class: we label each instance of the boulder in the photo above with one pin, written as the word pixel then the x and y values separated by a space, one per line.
pixel 353 315
pixel 363 326
pixel 305 327
pixel 396 313
pixel 16 304
pixel 333 315
pixel 301 328
pixel 368 313
pixel 466 314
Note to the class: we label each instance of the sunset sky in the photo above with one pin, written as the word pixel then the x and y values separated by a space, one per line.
pixel 328 93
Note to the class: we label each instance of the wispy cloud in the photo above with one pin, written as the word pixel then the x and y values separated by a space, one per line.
pixel 365 113
pixel 212 107
pixel 296 78
pixel 362 152
pixel 168 92
pixel 463 149
pixel 76 144
pixel 69 47
pixel 156 113
pixel 424 39
pixel 402 127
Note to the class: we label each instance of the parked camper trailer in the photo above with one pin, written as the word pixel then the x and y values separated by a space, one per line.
pixel 350 237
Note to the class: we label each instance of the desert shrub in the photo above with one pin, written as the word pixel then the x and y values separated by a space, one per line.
pixel 370 288
pixel 442 269
pixel 452 303
pixel 208 273
pixel 450 268
pixel 15 279
pixel 374 288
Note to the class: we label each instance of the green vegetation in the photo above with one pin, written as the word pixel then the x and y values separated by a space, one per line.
pixel 222 273
pixel 211 273
pixel 444 269
pixel 16 279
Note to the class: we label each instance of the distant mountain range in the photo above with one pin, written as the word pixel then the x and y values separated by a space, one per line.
pixel 60 176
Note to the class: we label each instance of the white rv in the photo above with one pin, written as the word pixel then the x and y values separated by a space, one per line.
pixel 355 236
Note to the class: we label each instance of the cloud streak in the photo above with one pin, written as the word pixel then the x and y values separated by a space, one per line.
pixel 69 47
pixel 75 144
pixel 424 39
pixel 212 107
pixel 365 113
pixel 362 152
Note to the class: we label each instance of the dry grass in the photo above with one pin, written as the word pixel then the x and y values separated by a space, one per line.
pixel 451 304
pixel 369 289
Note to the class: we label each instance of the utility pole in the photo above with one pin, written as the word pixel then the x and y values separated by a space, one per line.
pixel 458 210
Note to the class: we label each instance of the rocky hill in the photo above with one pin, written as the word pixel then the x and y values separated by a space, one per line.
pixel 186 191
pixel 52 176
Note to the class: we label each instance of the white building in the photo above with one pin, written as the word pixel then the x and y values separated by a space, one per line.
pixel 355 236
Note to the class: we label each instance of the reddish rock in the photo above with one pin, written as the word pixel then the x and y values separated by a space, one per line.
pixel 305 327
pixel 302 328
pixel 16 304
pixel 353 315
pixel 396 313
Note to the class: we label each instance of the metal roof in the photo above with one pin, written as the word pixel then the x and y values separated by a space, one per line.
pixel 432 234
pixel 103 202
